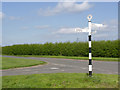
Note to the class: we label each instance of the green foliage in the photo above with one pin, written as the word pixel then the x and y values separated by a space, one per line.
pixel 99 49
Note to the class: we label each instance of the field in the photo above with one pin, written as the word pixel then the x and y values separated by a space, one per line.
pixel 60 80
pixel 8 63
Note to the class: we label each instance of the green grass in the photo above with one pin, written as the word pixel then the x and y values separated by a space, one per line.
pixel 60 80
pixel 8 63
pixel 74 57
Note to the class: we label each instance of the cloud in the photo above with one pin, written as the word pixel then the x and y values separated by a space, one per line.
pixel 78 30
pixel 101 35
pixel 108 33
pixel 112 26
pixel 65 7
pixel 2 15
pixel 15 18
pixel 65 31
pixel 25 27
pixel 41 27
pixel 108 30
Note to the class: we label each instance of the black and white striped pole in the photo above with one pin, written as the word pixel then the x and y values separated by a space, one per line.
pixel 89 38
pixel 88 29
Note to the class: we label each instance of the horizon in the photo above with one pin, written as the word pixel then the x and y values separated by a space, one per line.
pixel 58 42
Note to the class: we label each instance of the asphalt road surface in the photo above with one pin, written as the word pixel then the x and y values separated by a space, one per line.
pixel 57 65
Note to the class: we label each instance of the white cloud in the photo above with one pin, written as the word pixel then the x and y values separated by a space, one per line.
pixel 108 30
pixel 2 15
pixel 108 33
pixel 65 7
pixel 65 31
pixel 112 26
pixel 41 27
pixel 25 27
pixel 101 35
pixel 15 18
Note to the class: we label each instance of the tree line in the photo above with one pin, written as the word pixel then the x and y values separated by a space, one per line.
pixel 99 49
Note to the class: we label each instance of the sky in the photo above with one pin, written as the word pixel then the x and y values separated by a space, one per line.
pixel 41 22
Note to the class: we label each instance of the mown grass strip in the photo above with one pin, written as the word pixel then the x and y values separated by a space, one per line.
pixel 73 57
pixel 60 80
pixel 8 63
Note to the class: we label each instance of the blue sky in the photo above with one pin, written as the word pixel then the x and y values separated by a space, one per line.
pixel 42 22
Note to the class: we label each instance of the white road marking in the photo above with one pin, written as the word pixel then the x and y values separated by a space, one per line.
pixel 54 68
pixel 63 65
pixel 84 68
pixel 56 64
pixel 59 64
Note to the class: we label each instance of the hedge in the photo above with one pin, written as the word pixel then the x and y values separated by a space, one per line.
pixel 99 49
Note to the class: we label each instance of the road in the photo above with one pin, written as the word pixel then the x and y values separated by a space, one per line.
pixel 57 65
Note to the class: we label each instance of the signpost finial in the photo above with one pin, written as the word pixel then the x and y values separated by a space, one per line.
pixel 89 17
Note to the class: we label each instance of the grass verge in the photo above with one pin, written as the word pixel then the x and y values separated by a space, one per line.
pixel 74 57
pixel 60 80
pixel 8 63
